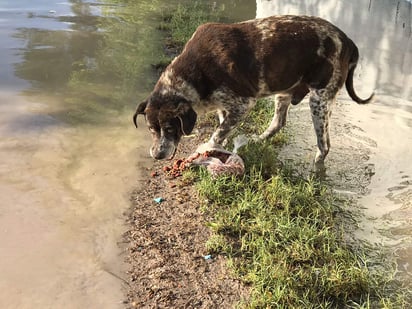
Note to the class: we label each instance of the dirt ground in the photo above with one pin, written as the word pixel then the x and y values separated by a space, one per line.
pixel 169 263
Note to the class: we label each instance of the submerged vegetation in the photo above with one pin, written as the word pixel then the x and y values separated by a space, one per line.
pixel 285 235
pixel 186 18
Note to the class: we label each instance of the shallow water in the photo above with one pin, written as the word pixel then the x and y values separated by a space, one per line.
pixel 68 150
pixel 370 157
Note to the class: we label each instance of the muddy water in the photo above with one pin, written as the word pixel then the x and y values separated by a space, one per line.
pixel 68 151
pixel 371 152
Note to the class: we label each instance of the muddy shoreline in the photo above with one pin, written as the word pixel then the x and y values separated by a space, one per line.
pixel 166 242
pixel 170 266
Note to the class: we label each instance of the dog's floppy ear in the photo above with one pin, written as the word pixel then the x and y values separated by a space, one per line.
pixel 140 110
pixel 187 117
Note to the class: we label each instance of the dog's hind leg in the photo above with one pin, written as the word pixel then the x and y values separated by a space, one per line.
pixel 282 103
pixel 320 103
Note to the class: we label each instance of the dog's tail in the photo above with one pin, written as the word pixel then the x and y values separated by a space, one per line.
pixel 349 80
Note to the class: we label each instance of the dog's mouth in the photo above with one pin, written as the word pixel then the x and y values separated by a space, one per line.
pixel 173 154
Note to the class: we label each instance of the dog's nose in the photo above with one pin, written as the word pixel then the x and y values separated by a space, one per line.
pixel 158 154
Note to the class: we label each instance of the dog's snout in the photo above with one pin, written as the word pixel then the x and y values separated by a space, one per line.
pixel 161 152
pixel 156 154
pixel 161 155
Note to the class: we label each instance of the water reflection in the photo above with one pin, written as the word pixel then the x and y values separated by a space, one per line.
pixel 371 146
pixel 95 61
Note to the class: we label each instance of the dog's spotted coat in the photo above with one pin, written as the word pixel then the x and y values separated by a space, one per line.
pixel 226 67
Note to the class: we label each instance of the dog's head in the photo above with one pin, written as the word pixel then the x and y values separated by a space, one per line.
pixel 168 118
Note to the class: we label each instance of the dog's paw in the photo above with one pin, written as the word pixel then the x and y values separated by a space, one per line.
pixel 319 170
pixel 239 141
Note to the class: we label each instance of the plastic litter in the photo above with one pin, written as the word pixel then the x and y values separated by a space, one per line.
pixel 158 200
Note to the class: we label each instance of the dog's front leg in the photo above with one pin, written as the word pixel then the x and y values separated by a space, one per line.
pixel 230 115
pixel 227 124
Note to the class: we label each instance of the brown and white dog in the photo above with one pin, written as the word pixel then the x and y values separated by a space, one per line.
pixel 226 67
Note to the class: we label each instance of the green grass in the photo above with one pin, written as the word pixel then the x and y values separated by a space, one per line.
pixel 285 235
pixel 282 238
